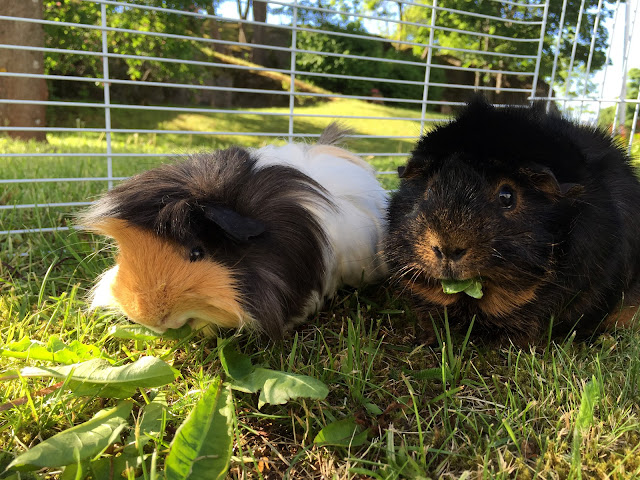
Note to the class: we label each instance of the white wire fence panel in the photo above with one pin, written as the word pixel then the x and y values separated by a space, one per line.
pixel 130 83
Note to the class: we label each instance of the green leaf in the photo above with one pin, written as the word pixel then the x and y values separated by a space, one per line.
pixel 373 409
pixel 342 433
pixel 235 364
pixel 77 443
pixel 150 425
pixel 98 376
pixel 133 332
pixel 278 388
pixel 75 471
pixel 138 332
pixel 54 350
pixel 202 446
pixel 471 286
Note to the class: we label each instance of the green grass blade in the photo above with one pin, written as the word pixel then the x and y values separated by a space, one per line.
pixel 584 420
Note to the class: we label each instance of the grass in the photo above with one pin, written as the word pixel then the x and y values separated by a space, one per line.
pixel 461 410
pixel 167 145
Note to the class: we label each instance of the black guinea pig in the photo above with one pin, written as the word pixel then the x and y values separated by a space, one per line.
pixel 523 218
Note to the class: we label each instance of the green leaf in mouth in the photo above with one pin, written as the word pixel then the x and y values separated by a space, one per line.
pixel 471 286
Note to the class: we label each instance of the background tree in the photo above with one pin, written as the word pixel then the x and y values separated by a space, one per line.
pixel 22 61
pixel 258 55
pixel 513 29
pixel 326 42
pixel 633 85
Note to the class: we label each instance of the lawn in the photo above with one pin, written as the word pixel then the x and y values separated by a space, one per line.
pixel 460 410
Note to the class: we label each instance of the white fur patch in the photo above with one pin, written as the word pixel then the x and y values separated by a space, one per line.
pixel 101 294
pixel 356 231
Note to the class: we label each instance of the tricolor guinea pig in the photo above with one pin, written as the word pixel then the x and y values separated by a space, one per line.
pixel 256 237
pixel 521 219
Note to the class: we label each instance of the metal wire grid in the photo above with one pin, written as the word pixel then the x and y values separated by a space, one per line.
pixel 540 9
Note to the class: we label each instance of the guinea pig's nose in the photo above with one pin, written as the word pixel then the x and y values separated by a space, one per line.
pixel 450 253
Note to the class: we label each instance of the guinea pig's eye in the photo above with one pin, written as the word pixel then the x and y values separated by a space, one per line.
pixel 506 197
pixel 196 254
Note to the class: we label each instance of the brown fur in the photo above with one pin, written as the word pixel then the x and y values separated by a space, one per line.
pixel 157 282
pixel 500 302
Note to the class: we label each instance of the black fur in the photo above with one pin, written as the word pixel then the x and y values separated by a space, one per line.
pixel 576 237
pixel 253 221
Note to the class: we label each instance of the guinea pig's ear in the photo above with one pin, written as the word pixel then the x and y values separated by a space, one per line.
pixel 233 224
pixel 544 180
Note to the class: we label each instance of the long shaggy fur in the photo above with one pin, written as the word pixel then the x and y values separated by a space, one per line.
pixel 564 247
pixel 286 225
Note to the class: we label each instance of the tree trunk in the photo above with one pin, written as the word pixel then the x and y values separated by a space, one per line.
pixel 258 55
pixel 22 61
pixel 215 28
pixel 242 36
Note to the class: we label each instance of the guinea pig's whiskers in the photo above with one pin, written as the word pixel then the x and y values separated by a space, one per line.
pixel 411 271
pixel 403 272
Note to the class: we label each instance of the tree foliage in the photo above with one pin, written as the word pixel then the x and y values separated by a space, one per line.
pixel 510 27
pixel 327 42
pixel 123 43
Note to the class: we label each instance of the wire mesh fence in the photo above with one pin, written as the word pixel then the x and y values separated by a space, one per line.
pixel 128 83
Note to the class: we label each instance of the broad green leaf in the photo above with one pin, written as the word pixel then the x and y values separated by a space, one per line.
pixel 138 332
pixel 474 290
pixel 54 350
pixel 80 442
pixel 342 433
pixel 133 332
pixel 235 364
pixel 98 376
pixel 278 388
pixel 150 425
pixel 203 444
pixel 471 286
pixel 75 471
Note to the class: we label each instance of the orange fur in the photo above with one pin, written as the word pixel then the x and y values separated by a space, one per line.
pixel 622 317
pixel 340 153
pixel 431 264
pixel 500 302
pixel 424 248
pixel 156 284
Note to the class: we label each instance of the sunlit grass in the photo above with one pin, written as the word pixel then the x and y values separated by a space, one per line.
pixel 459 410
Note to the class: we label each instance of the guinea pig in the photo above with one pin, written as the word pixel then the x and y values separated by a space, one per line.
pixel 255 237
pixel 537 215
